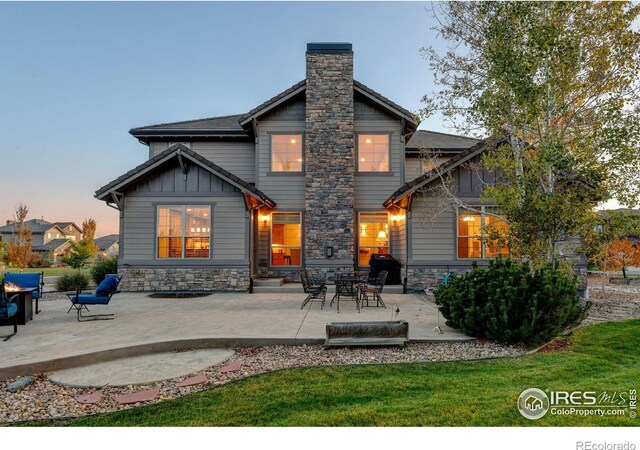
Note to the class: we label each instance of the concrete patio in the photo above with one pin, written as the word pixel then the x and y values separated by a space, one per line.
pixel 143 325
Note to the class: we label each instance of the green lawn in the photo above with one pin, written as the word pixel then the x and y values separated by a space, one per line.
pixel 48 271
pixel 480 393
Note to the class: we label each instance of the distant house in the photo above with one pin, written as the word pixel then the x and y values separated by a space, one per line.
pixel 108 245
pixel 47 238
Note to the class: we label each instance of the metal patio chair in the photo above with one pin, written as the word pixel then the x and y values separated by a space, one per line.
pixel 316 289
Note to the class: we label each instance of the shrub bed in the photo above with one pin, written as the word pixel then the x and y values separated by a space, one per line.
pixel 72 280
pixel 104 267
pixel 509 303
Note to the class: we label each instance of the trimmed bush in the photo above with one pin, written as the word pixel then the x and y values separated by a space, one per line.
pixel 72 280
pixel 509 303
pixel 103 268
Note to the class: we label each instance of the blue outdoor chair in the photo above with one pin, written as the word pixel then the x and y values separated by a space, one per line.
pixel 9 309
pixel 31 281
pixel 101 296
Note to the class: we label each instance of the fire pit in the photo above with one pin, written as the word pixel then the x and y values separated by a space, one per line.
pixel 24 301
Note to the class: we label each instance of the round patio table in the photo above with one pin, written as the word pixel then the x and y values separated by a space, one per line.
pixel 346 286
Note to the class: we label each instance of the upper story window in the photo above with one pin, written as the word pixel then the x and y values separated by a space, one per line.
pixel 373 153
pixel 184 231
pixel 482 234
pixel 286 152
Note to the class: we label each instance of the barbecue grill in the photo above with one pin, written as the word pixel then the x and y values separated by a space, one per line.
pixel 379 262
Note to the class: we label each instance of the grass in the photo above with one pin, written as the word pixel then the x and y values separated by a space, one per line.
pixel 48 271
pixel 475 393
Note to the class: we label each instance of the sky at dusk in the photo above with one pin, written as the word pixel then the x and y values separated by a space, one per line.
pixel 75 77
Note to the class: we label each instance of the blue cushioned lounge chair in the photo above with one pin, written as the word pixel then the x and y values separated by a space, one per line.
pixel 101 296
pixel 9 309
pixel 30 281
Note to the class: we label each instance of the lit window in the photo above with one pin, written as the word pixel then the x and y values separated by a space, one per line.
pixel 286 153
pixel 373 236
pixel 373 153
pixel 184 231
pixel 482 234
pixel 286 239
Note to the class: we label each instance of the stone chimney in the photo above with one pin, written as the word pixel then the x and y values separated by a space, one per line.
pixel 329 157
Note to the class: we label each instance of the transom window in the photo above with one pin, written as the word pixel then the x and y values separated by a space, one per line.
pixel 184 231
pixel 286 239
pixel 286 152
pixel 373 153
pixel 373 236
pixel 482 234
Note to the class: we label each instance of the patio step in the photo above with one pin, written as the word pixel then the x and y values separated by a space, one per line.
pixel 268 282
pixel 296 288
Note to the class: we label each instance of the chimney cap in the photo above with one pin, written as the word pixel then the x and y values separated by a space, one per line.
pixel 329 47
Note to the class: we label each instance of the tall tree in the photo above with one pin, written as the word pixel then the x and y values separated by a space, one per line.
pixel 560 80
pixel 19 249
pixel 88 236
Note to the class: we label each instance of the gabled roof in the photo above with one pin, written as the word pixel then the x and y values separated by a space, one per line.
pixel 37 226
pixel 423 180
pixel 301 86
pixel 54 244
pixel 180 151
pixel 63 225
pixel 105 242
pixel 439 142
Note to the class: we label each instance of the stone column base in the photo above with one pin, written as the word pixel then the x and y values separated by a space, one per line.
pixel 137 279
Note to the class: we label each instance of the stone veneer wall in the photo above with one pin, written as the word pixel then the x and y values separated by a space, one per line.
pixel 329 160
pixel 184 279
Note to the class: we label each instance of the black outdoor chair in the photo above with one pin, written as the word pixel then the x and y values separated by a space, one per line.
pixel 374 289
pixel 316 289
pixel 102 296
pixel 8 309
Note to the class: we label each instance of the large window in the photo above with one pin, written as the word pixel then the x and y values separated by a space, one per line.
pixel 286 239
pixel 482 234
pixel 373 236
pixel 184 231
pixel 286 153
pixel 373 153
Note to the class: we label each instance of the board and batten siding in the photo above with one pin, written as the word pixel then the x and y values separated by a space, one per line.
pixel 229 243
pixel 235 157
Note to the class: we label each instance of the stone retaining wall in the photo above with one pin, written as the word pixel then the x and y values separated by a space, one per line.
pixel 184 279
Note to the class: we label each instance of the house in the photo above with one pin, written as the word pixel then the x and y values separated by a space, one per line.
pixel 107 245
pixel 47 238
pixel 323 175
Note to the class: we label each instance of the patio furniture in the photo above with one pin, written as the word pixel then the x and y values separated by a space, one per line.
pixel 33 282
pixel 379 262
pixel 101 296
pixel 343 334
pixel 346 286
pixel 23 299
pixel 8 310
pixel 374 289
pixel 316 289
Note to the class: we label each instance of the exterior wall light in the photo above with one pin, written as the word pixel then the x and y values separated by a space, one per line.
pixel 265 220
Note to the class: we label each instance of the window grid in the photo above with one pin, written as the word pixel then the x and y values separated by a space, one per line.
pixel 183 232
pixel 373 153
pixel 286 239
pixel 286 153
pixel 474 240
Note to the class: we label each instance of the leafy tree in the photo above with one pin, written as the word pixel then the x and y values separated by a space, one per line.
pixel 560 81
pixel 88 235
pixel 79 255
pixel 19 249
pixel 621 254
pixel 608 226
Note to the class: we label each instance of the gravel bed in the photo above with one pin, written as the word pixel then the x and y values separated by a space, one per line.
pixel 612 302
pixel 46 400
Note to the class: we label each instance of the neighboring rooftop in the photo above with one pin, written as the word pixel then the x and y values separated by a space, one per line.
pixel 35 225
pixel 51 245
pixel 434 140
pixel 104 242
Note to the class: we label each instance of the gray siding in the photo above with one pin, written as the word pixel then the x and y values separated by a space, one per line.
pixel 412 167
pixel 432 233
pixel 372 189
pixel 399 240
pixel 171 187
pixel 286 189
pixel 236 157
